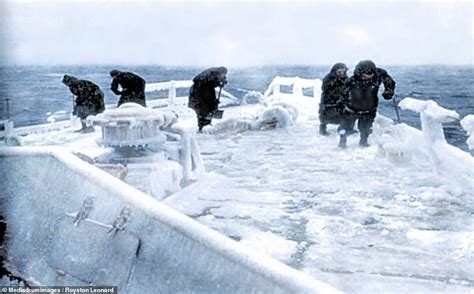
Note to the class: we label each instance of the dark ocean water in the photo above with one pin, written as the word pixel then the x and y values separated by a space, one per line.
pixel 34 91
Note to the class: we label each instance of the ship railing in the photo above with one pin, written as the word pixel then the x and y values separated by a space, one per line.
pixel 298 85
pixel 429 145
pixel 172 101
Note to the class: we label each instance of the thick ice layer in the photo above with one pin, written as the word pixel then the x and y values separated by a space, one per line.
pixel 252 97
pixel 307 106
pixel 72 224
pixel 430 144
pixel 298 85
pixel 133 125
pixel 57 116
pixel 362 220
pixel 468 124
pixel 277 115
pixel 133 114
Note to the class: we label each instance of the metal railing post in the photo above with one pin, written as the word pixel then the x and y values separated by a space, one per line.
pixel 8 109
pixel 172 94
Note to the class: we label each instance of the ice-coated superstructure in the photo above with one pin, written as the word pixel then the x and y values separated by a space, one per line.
pixel 298 85
pixel 274 108
pixel 429 144
pixel 169 154
pixel 307 105
pixel 133 125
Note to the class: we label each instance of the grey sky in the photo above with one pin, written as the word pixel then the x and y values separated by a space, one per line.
pixel 235 33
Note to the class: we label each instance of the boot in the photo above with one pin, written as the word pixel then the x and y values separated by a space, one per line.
pixel 322 130
pixel 363 140
pixel 343 142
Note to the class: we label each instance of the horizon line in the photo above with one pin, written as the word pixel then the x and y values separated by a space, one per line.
pixel 229 66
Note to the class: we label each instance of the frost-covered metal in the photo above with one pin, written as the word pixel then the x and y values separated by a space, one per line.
pixel 132 125
pixel 70 223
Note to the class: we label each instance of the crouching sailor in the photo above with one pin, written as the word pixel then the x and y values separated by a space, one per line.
pixel 333 90
pixel 89 99
pixel 133 87
pixel 202 95
pixel 362 100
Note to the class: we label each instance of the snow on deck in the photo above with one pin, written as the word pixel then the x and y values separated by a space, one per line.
pixel 351 218
pixel 69 139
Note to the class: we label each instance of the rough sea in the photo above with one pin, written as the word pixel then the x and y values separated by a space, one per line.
pixel 35 91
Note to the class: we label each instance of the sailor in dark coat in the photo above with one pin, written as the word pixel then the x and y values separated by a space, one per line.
pixel 89 99
pixel 133 87
pixel 333 90
pixel 362 101
pixel 202 95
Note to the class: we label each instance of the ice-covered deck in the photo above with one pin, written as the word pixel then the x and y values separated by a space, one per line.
pixel 350 218
pixel 394 217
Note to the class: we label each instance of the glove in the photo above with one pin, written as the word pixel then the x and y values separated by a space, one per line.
pixel 210 115
pixel 387 95
pixel 222 83
pixel 340 106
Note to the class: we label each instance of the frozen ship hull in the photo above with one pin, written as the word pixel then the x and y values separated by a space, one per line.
pixel 66 226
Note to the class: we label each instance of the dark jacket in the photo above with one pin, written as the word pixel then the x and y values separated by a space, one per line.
pixel 334 88
pixel 202 95
pixel 133 88
pixel 363 94
pixel 89 98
